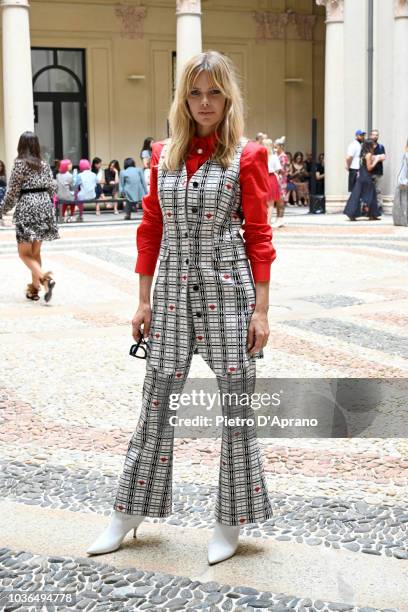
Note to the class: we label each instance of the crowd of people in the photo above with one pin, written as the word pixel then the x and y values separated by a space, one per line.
pixel 90 182
pixel 38 190
pixel 290 181
pixel 290 176
pixel 365 159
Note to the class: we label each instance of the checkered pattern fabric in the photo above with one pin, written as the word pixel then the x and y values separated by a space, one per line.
pixel 203 300
pixel 202 256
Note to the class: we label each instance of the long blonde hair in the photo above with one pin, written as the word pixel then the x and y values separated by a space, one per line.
pixel 222 75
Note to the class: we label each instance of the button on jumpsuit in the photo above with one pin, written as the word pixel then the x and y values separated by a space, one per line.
pixel 203 300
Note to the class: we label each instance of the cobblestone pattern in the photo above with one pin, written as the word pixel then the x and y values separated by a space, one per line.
pixel 99 586
pixel 356 334
pixel 350 523
pixel 328 300
pixel 347 462
pixel 63 438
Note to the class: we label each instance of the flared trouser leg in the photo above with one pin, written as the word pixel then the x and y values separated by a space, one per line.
pixel 242 492
pixel 145 486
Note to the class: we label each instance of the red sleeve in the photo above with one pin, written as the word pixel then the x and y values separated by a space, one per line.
pixel 149 232
pixel 254 179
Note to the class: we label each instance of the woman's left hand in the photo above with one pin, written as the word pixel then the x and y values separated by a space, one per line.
pixel 258 332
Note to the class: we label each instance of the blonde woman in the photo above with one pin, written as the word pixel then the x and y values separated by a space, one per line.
pixel 210 297
pixel 274 167
pixel 283 179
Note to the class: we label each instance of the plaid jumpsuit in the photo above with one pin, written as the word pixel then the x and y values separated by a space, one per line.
pixel 203 300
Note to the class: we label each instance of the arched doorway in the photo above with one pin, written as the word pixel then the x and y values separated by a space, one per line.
pixel 60 103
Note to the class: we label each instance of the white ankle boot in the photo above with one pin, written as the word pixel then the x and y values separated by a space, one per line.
pixel 223 543
pixel 112 537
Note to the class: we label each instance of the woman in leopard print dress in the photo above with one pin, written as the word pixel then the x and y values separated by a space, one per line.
pixel 31 187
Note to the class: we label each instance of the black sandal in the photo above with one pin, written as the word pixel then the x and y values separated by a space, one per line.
pixel 48 283
pixel 32 293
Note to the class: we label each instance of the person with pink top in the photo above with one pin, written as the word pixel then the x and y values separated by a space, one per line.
pixel 65 184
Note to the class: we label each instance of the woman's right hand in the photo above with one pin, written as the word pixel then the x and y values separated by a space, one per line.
pixel 143 316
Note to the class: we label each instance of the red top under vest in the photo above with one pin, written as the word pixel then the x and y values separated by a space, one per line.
pixel 254 181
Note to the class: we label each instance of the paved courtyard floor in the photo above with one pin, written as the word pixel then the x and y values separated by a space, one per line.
pixel 70 400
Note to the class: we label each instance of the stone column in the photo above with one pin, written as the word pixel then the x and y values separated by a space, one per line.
pixel 334 141
pixel 399 104
pixel 17 76
pixel 189 41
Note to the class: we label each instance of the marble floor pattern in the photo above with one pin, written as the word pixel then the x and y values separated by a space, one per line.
pixel 70 400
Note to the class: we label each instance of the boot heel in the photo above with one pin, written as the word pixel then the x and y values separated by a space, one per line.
pixel 112 537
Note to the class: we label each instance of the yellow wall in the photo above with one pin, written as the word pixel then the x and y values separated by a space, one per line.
pixel 121 113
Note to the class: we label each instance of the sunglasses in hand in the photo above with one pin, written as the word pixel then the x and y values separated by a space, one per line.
pixel 139 349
